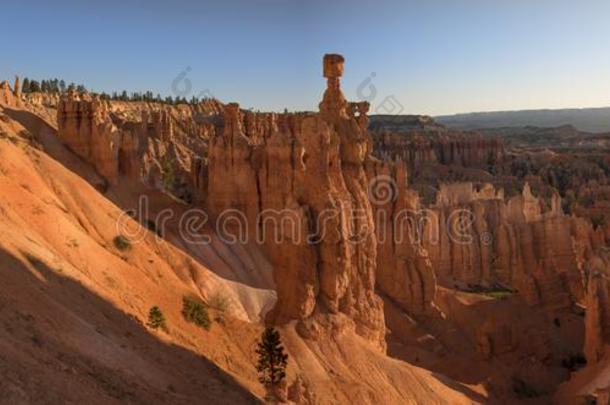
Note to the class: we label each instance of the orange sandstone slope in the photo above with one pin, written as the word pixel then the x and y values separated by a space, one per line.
pixel 74 307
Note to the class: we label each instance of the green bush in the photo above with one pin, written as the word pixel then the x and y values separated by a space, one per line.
pixel 196 311
pixel 522 389
pixel 168 173
pixel 495 291
pixel 499 295
pixel 156 319
pixel 574 362
pixel 121 242
pixel 598 220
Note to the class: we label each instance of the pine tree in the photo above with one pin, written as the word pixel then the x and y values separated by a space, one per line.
pixel 491 163
pixel 34 86
pixel 195 311
pixel 25 87
pixel 62 85
pixel 156 319
pixel 272 361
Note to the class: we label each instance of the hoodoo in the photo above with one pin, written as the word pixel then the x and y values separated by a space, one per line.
pixel 306 170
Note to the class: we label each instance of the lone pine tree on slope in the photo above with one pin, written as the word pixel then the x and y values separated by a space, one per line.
pixel 272 362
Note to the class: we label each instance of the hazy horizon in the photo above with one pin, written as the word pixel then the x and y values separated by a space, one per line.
pixel 436 59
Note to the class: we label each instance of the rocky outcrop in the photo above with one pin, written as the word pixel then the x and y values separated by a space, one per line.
pixel 597 303
pixel 7 95
pixel 404 270
pixel 439 146
pixel 296 183
pixel 38 101
pixel 152 143
pixel 17 88
pixel 85 126
pixel 334 106
pixel 403 123
pixel 477 238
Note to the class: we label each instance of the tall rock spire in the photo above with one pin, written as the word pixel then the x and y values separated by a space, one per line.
pixel 334 104
pixel 17 88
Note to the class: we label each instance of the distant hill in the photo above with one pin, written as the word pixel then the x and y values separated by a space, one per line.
pixel 566 138
pixel 402 123
pixel 585 119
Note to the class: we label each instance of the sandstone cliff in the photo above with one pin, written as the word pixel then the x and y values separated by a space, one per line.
pixel 438 145
pixel 404 270
pixel 597 303
pixel 8 96
pixel 148 142
pixel 592 382
pixel 477 238
pixel 75 307
pixel 86 128
pixel 298 181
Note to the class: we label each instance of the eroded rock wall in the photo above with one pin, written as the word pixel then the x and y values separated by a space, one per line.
pixel 477 238
pixel 597 303
pixel 10 97
pixel 85 126
pixel 298 182
pixel 156 144
pixel 404 270
pixel 438 146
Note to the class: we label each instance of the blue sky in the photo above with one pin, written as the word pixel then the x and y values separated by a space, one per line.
pixel 432 57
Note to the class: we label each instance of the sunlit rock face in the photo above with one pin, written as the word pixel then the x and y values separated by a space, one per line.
pixel 477 237
pixel 420 141
pixel 85 126
pixel 404 270
pixel 10 97
pixel 597 302
pixel 299 182
pixel 160 145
